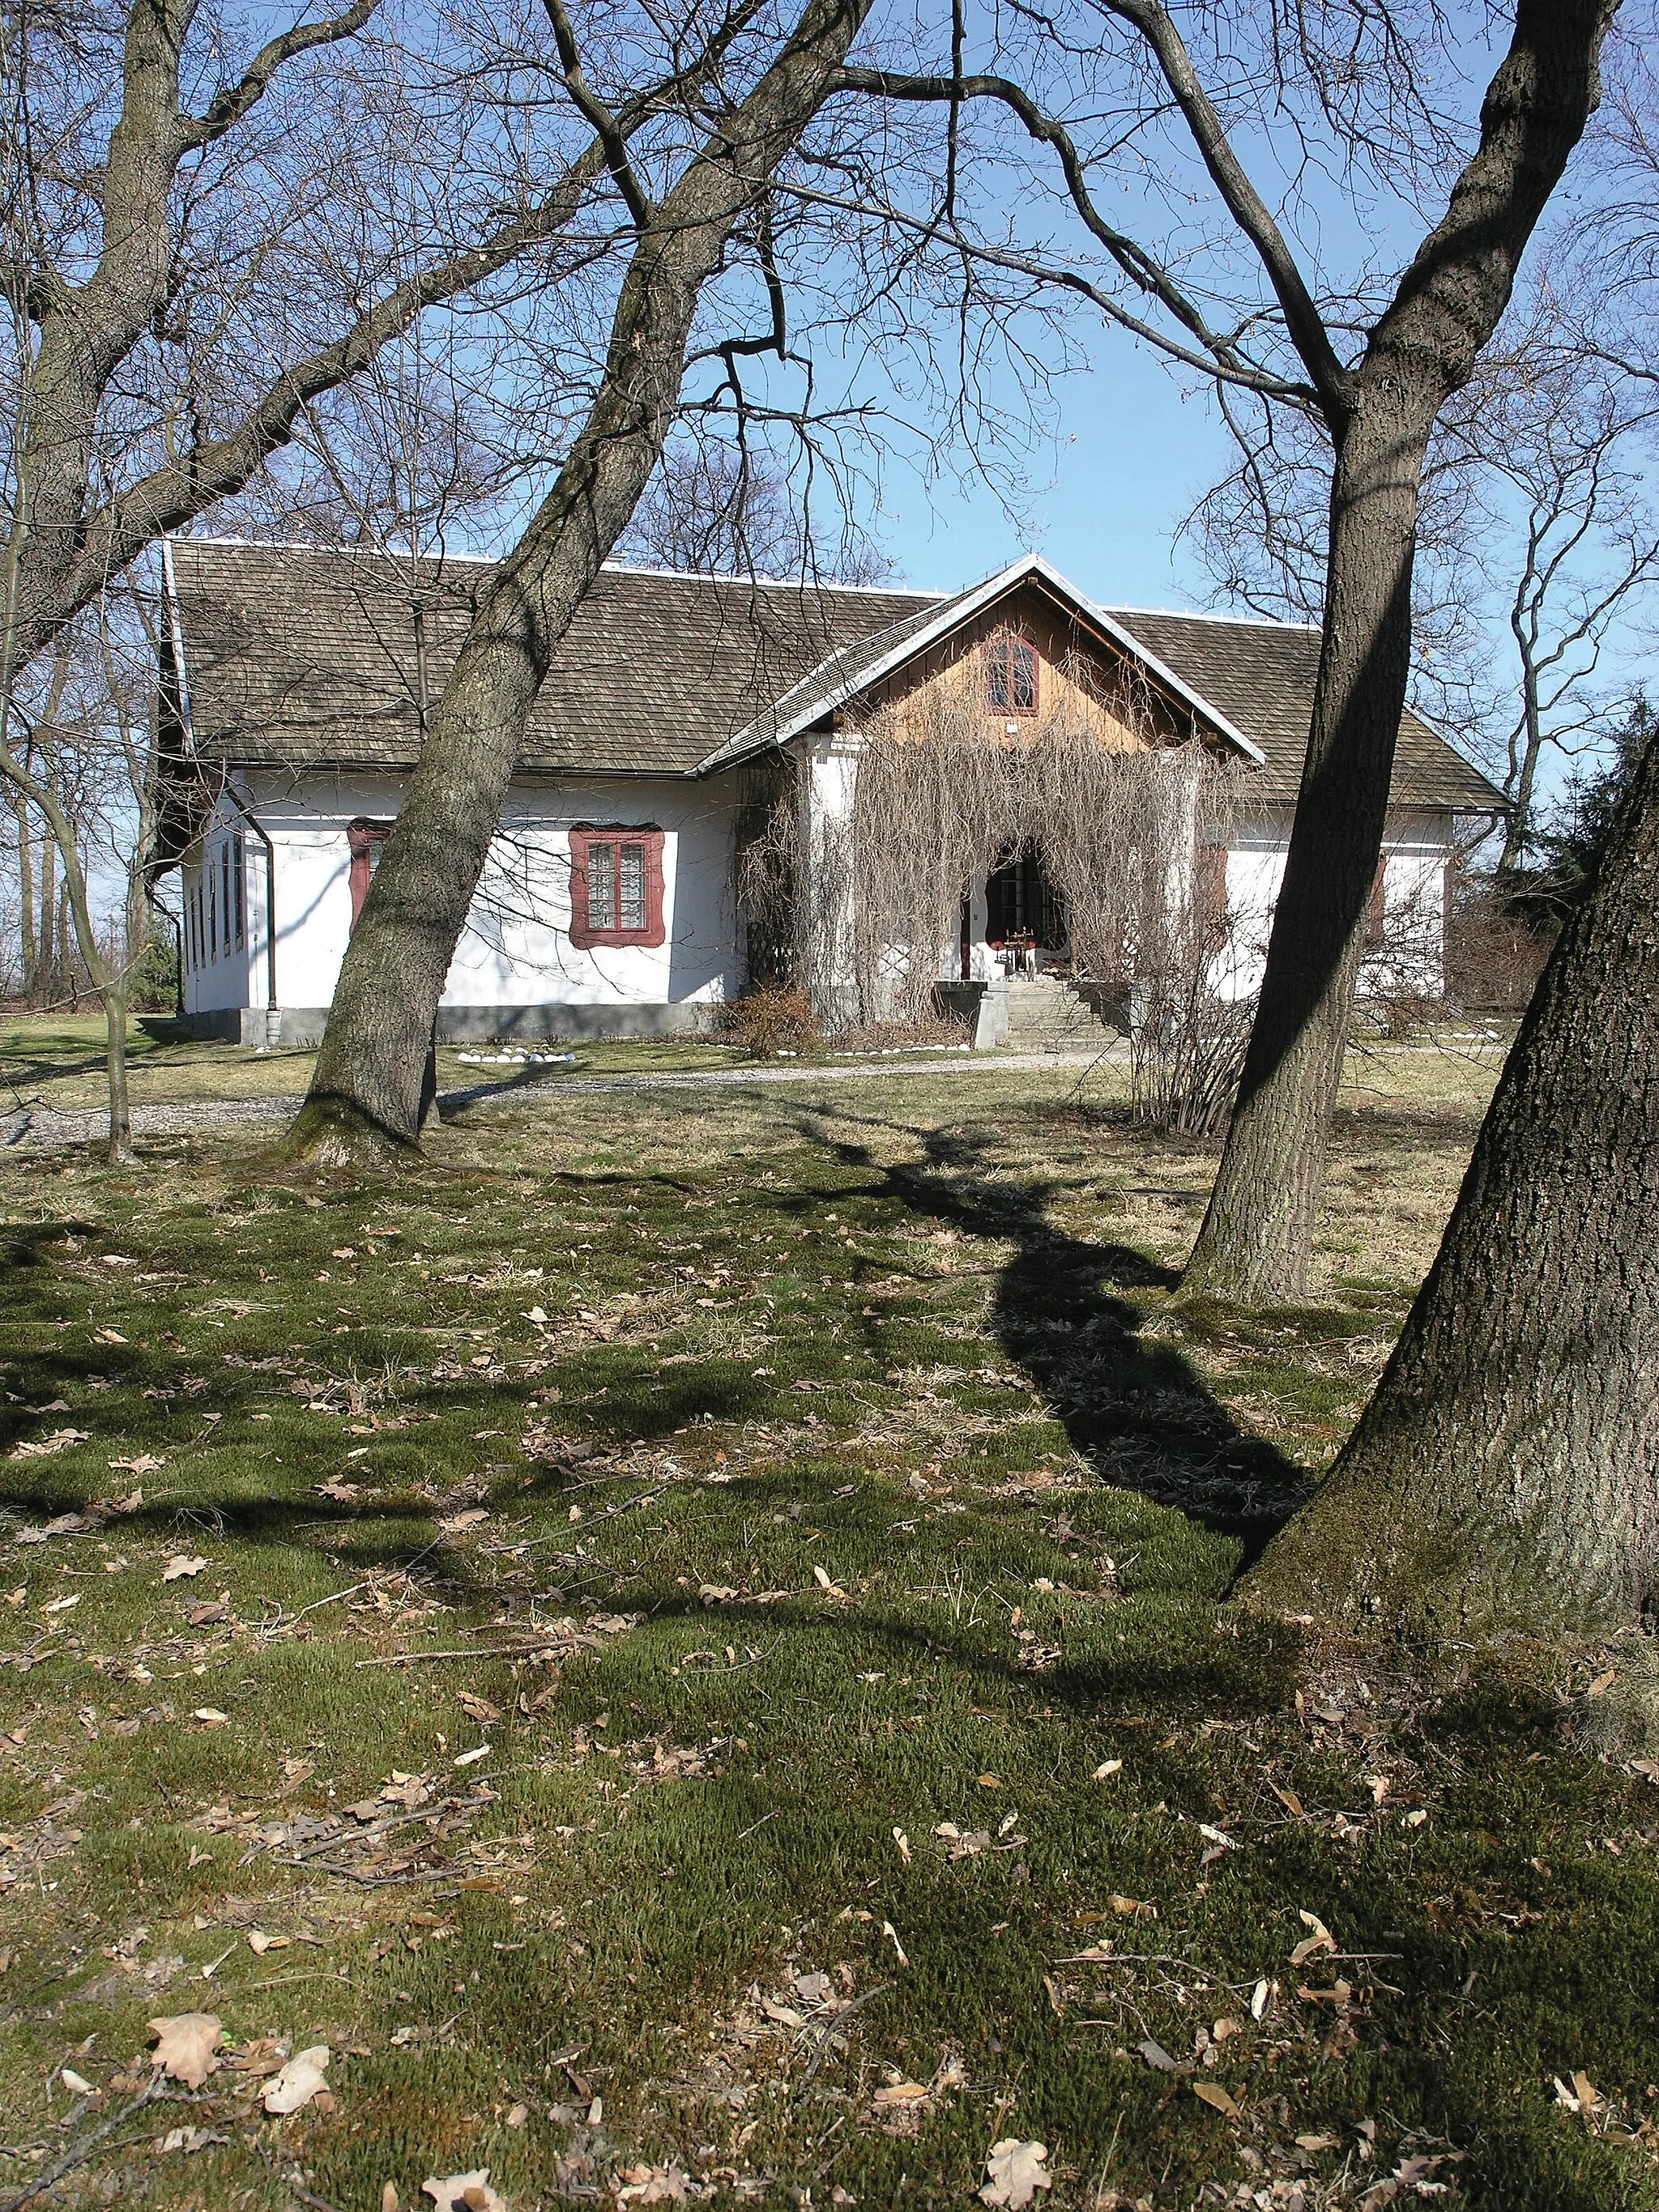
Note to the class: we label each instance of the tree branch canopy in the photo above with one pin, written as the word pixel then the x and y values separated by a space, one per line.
pixel 238 99
pixel 183 490
pixel 1243 203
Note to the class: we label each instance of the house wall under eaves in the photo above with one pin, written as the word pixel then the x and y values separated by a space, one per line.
pixel 1418 847
pixel 516 971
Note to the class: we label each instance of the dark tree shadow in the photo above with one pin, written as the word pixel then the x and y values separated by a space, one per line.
pixel 1134 1406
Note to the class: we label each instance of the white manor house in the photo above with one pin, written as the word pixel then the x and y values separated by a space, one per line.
pixel 291 690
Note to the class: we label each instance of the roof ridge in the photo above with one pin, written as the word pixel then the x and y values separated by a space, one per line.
pixel 608 567
pixel 1203 614
pixel 770 583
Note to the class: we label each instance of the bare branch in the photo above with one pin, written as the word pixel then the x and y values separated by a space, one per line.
pixel 598 117
pixel 1136 263
pixel 1071 279
pixel 1244 203
pixel 235 101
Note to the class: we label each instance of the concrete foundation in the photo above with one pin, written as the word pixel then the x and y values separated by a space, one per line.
pixel 300 1026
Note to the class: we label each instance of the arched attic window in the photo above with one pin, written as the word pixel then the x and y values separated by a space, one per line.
pixel 1010 675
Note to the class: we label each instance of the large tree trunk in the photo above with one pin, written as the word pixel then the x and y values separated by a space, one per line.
pixel 1257 1234
pixel 1258 1230
pixel 366 1095
pixel 1506 1472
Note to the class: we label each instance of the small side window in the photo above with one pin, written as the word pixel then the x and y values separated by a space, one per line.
pixel 616 884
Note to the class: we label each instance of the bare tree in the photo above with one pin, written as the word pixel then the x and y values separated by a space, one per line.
pixel 184 281
pixel 1534 520
pixel 77 758
pixel 366 1092
pixel 1374 367
pixel 198 260
pixel 1590 544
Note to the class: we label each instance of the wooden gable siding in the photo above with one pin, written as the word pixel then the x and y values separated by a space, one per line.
pixel 1082 684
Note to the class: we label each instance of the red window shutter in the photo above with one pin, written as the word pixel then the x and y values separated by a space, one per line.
pixel 366 840
pixel 616 884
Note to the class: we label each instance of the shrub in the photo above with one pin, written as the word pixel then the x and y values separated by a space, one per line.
pixel 153 981
pixel 1497 944
pixel 776 1018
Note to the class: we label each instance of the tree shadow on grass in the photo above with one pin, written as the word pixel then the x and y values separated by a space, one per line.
pixel 1064 1308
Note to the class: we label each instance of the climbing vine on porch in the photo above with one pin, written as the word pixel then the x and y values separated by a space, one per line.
pixel 870 901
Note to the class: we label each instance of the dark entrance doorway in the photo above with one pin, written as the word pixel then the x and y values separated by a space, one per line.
pixel 1022 904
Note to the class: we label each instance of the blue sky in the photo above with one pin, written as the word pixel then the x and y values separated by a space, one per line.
pixel 1108 490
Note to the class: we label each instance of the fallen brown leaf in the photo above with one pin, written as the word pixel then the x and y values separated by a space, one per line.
pixel 184 2046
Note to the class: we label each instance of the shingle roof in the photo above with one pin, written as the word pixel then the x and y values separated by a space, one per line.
pixel 302 656
pixel 837 677
pixel 1260 675
pixel 305 657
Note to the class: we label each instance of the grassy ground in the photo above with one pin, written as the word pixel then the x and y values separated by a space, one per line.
pixel 700 1667
pixel 57 1060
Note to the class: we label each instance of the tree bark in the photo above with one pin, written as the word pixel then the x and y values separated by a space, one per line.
pixel 1257 1234
pixel 119 1149
pixel 1505 1474
pixel 1519 827
pixel 366 1095
pixel 26 892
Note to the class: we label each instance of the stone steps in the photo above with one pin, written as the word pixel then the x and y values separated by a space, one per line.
pixel 1046 1014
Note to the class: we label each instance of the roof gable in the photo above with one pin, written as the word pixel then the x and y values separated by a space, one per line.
pixel 856 668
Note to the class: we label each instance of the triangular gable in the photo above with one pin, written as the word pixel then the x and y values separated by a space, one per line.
pixel 856 667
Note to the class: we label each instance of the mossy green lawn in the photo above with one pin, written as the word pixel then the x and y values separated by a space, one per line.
pixel 819 1509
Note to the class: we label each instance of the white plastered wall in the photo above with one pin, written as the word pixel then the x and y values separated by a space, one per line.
pixel 222 964
pixel 515 950
pixel 1416 849
pixel 1417 846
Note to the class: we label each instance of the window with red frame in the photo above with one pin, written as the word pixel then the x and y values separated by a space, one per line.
pixel 616 884
pixel 1010 676
pixel 367 842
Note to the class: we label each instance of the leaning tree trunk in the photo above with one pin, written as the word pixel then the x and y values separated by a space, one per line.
pixel 366 1097
pixel 1506 1472
pixel 1257 1235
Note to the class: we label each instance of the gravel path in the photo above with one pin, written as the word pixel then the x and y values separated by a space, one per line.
pixel 25 1126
